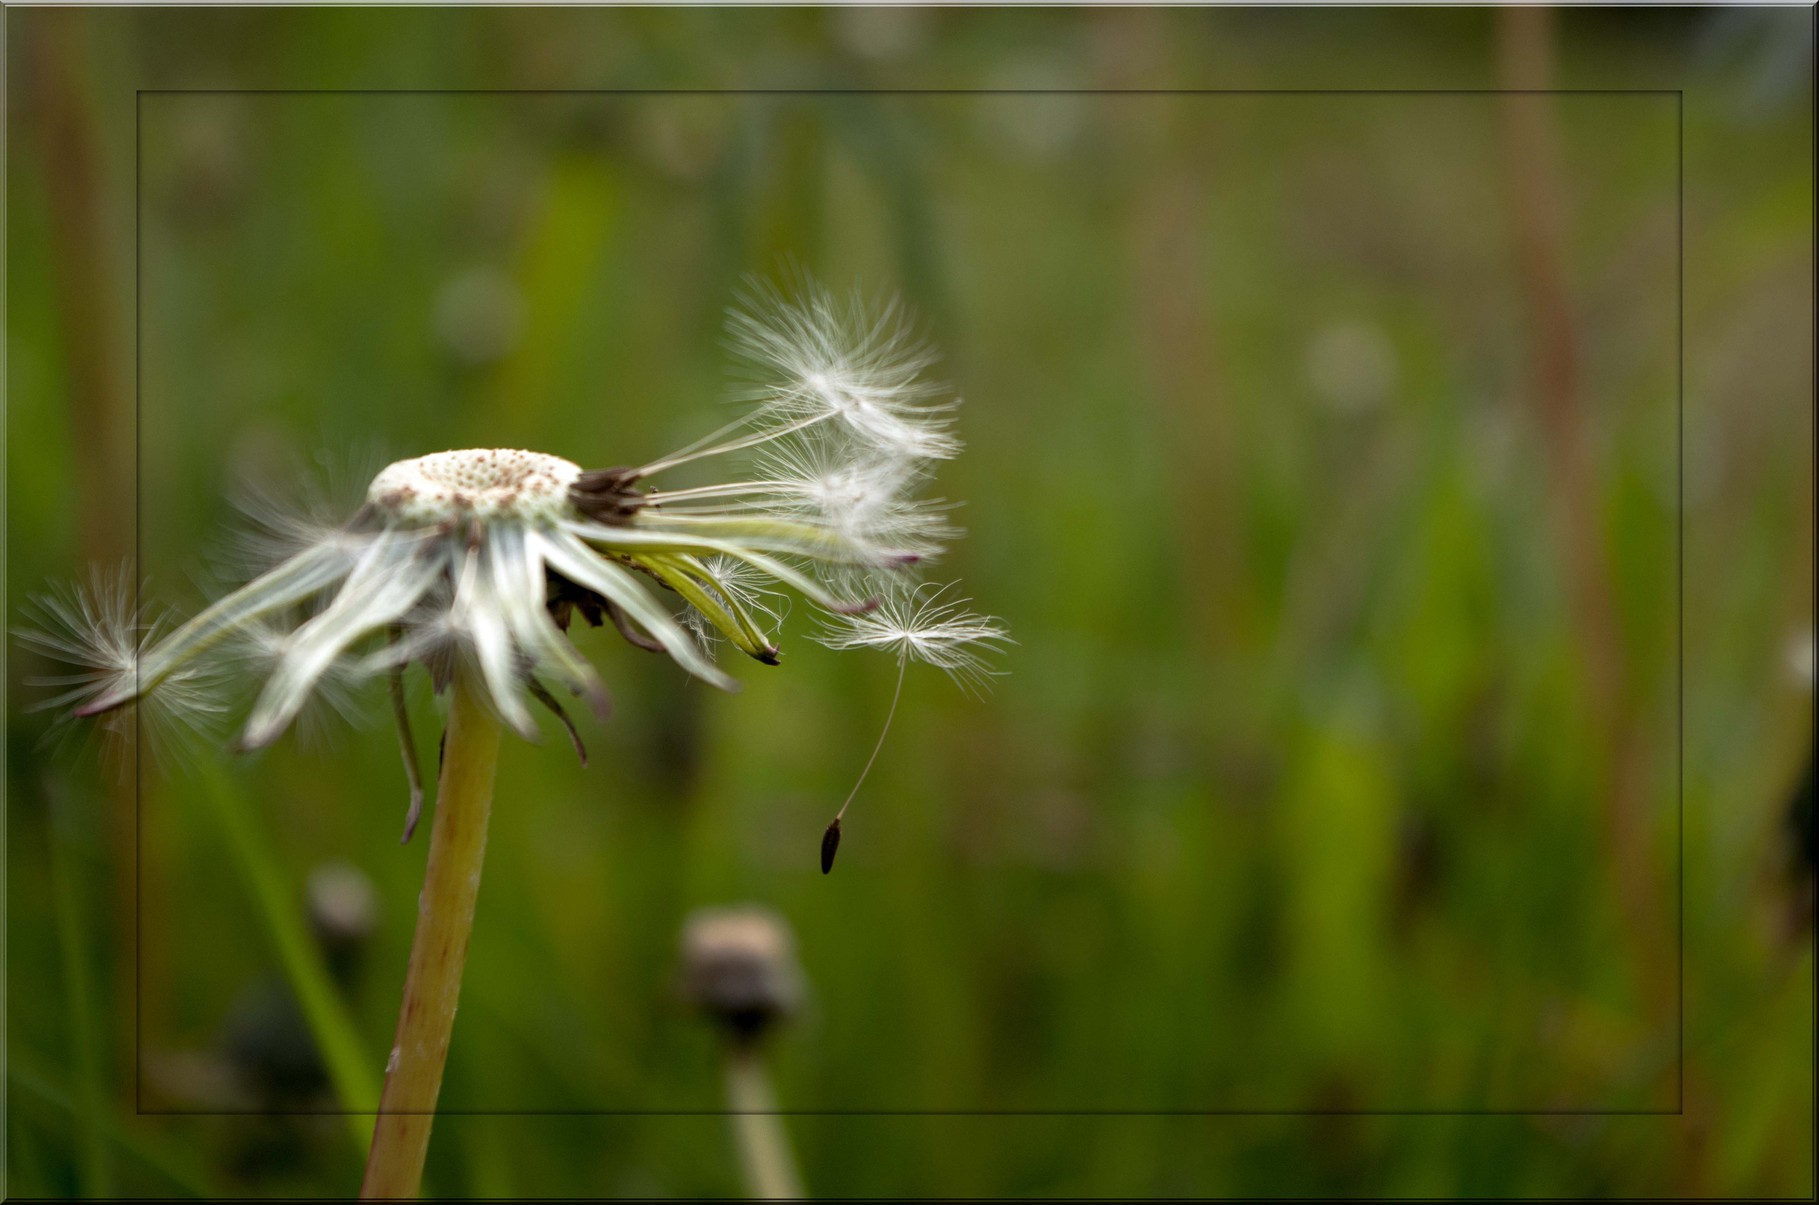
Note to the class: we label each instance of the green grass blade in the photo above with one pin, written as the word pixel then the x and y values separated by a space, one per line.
pixel 35 1083
pixel 95 1175
pixel 349 1069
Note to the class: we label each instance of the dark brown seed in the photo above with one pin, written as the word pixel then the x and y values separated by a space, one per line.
pixel 830 845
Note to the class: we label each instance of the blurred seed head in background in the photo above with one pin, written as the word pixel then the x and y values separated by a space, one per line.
pixel 739 968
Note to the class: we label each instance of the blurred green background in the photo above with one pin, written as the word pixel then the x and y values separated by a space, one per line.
pixel 1323 458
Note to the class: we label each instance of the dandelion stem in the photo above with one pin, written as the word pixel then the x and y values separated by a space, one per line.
pixel 764 1151
pixel 445 919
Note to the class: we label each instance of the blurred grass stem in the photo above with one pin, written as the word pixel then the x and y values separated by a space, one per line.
pixel 1538 214
pixel 298 955
pixel 94 1174
pixel 764 1150
pixel 87 291
pixel 445 920
pixel 40 1083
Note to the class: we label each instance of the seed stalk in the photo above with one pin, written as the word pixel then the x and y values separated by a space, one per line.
pixel 445 921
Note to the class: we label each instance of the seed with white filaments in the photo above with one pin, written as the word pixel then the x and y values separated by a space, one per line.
pixel 100 630
pixel 923 625
pixel 915 624
pixel 820 359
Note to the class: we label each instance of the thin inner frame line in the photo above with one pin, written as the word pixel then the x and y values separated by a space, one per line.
pixel 1679 96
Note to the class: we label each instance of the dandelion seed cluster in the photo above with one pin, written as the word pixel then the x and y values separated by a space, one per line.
pixel 477 561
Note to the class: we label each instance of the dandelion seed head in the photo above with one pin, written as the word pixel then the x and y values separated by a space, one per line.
pixel 475 563
pixel 480 483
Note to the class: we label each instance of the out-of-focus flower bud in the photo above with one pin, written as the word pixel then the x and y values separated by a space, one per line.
pixel 739 966
pixel 343 910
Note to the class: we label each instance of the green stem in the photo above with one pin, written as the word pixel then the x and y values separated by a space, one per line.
pixel 445 920
pixel 764 1151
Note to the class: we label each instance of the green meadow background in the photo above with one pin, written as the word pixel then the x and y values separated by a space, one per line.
pixel 1401 498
